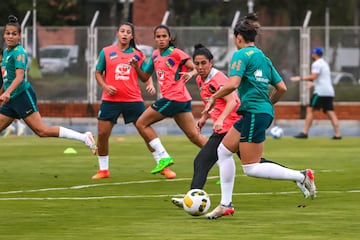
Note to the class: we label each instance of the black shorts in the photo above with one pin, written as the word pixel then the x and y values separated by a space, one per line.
pixel 110 111
pixel 170 108
pixel 21 106
pixel 322 102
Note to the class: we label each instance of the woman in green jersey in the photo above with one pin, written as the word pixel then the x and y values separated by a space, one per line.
pixel 251 73
pixel 18 100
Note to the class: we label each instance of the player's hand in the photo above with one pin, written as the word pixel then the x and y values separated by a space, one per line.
pixel 209 105
pixel 134 61
pixel 295 78
pixel 218 125
pixel 151 89
pixel 185 76
pixel 4 98
pixel 110 90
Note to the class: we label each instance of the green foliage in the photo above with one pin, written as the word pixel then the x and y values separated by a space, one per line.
pixel 45 194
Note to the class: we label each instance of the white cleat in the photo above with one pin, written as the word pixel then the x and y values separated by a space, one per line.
pixel 309 182
pixel 221 210
pixel 303 189
pixel 179 202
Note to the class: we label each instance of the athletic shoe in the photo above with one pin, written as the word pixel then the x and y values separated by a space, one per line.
pixel 20 129
pixel 303 189
pixel 301 135
pixel 221 210
pixel 9 130
pixel 309 182
pixel 163 163
pixel 179 202
pixel 90 142
pixel 168 173
pixel 101 174
pixel 336 138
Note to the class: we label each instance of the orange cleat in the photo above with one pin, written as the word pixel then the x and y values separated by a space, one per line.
pixel 101 174
pixel 168 173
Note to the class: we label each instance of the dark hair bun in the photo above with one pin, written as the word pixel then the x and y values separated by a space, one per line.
pixel 252 16
pixel 198 46
pixel 12 19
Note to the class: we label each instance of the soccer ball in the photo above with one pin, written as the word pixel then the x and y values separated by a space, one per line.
pixel 276 132
pixel 196 202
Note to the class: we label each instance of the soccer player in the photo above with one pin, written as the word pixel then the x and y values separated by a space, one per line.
pixel 223 115
pixel 173 69
pixel 251 72
pixel 323 96
pixel 18 100
pixel 121 91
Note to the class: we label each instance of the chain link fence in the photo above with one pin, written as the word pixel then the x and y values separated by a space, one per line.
pixel 62 75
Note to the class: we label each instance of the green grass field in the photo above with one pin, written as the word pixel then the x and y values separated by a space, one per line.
pixel 46 194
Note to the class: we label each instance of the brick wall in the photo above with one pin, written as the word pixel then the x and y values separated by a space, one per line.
pixel 283 111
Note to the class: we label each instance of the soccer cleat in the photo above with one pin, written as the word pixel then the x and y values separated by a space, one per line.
pixel 168 173
pixel 301 135
pixel 336 138
pixel 221 210
pixel 9 130
pixel 20 129
pixel 101 174
pixel 90 142
pixel 163 163
pixel 179 202
pixel 309 182
pixel 303 189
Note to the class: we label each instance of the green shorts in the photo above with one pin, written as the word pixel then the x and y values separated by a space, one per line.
pixel 110 111
pixel 21 106
pixel 252 126
pixel 170 108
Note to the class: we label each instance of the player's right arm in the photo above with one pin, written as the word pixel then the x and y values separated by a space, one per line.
pixel 99 75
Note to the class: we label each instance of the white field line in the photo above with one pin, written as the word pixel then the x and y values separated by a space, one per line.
pixel 137 196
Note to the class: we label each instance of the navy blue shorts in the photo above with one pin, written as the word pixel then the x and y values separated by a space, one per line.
pixel 110 111
pixel 21 106
pixel 170 108
pixel 252 126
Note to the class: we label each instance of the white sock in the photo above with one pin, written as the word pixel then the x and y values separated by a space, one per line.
pixel 156 157
pixel 103 162
pixel 272 171
pixel 68 133
pixel 159 148
pixel 227 171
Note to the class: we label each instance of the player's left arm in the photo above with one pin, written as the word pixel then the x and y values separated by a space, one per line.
pixel 186 76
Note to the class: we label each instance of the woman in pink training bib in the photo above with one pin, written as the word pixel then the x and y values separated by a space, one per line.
pixel 173 68
pixel 121 92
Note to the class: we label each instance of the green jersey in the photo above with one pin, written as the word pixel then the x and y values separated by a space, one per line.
pixel 256 72
pixel 14 58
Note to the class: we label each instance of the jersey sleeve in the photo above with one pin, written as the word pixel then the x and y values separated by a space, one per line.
pixel 315 67
pixel 148 66
pixel 275 76
pixel 20 60
pixel 237 64
pixel 101 64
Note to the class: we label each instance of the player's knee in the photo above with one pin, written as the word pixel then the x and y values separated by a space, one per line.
pixel 250 169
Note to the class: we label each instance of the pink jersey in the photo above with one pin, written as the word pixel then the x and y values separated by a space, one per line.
pixel 120 74
pixel 215 80
pixel 167 68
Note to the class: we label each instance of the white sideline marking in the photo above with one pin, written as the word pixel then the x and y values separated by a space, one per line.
pixel 101 184
pixel 140 196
